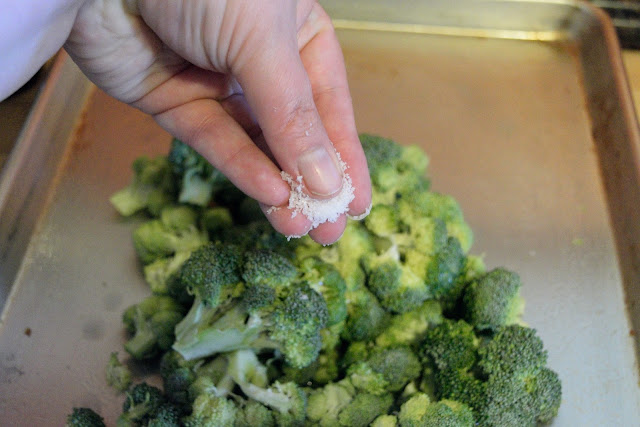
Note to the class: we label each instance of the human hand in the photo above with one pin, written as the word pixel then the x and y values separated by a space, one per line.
pixel 256 87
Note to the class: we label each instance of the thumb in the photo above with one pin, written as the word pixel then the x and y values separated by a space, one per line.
pixel 278 90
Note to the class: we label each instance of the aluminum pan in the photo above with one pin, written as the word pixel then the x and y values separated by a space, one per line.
pixel 528 123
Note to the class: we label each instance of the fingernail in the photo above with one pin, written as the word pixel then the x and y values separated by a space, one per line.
pixel 320 172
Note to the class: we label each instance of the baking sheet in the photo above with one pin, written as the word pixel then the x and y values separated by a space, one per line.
pixel 524 110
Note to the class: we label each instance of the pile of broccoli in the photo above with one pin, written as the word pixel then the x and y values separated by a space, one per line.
pixel 396 324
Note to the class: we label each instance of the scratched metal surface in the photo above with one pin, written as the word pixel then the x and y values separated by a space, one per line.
pixel 524 110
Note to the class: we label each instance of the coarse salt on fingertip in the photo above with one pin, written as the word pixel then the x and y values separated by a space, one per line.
pixel 319 211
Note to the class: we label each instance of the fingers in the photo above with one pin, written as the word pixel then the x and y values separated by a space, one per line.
pixel 283 102
pixel 322 57
pixel 209 129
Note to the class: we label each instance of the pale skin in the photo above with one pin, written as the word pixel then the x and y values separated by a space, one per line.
pixel 255 86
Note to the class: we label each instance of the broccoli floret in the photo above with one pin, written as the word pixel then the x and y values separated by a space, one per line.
pixel 513 348
pixel 357 351
pixel 177 375
pixel 265 267
pixel 413 410
pixel 214 378
pixel 396 286
pixel 254 414
pixel 273 314
pixel 216 221
pixel 507 403
pixel 160 272
pixel 408 328
pixel 444 268
pixel 546 390
pixel 84 417
pixel 448 413
pixel 211 411
pixel 168 415
pixel 326 403
pixel 288 400
pixel 154 240
pixel 385 421
pixel 451 345
pixel 211 272
pixel 366 318
pixel 366 379
pixel 199 180
pixel 398 365
pixel 364 408
pixel 494 300
pixel 325 279
pixel 151 324
pixel 382 221
pixel 118 375
pixel 141 405
pixel 152 187
pixel 462 386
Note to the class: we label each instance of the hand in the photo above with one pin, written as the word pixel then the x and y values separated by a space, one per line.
pixel 256 87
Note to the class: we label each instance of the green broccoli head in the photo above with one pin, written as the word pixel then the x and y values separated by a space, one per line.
pixel 211 271
pixel 513 348
pixel 151 324
pixel 385 420
pixel 413 410
pixel 364 408
pixel 546 390
pixel 297 325
pixel 398 365
pixel 444 269
pixel 265 267
pixel 142 404
pixel 209 410
pixel 118 375
pixel 151 188
pixel 462 386
pixel 451 345
pixel 382 221
pixel 326 403
pixel 160 273
pixel 177 375
pixel 408 328
pixel 448 413
pixel 84 417
pixel 366 318
pixel 254 414
pixel 396 286
pixel 365 379
pixel 325 279
pixel 154 240
pixel 494 300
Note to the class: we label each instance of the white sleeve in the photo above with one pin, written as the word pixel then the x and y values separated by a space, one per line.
pixel 31 32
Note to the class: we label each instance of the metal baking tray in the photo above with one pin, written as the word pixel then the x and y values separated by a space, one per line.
pixel 525 111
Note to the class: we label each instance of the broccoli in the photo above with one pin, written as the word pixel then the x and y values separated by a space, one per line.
pixel 211 411
pixel 366 379
pixel 151 324
pixel 325 279
pixel 178 375
pixel 366 318
pixel 216 221
pixel 142 404
pixel 396 286
pixel 198 180
pixel 270 312
pixel 419 411
pixel 155 239
pixel 409 327
pixel 118 375
pixel 254 414
pixel 84 417
pixel 451 345
pixel 364 408
pixel 398 365
pixel 513 348
pixel 385 421
pixel 326 403
pixel 152 187
pixel 159 273
pixel 494 300
pixel 288 400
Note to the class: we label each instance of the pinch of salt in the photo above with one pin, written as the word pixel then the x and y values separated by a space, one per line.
pixel 316 210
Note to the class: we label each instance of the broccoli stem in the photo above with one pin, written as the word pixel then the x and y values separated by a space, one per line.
pixel 196 337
